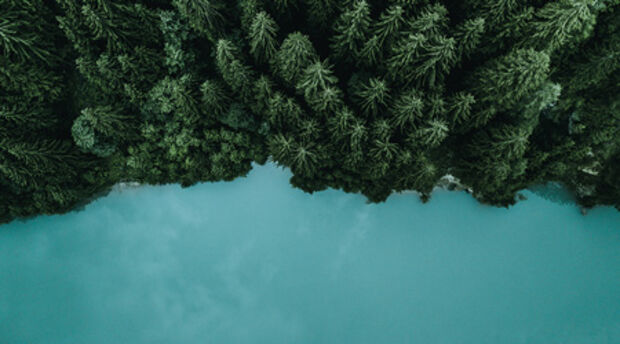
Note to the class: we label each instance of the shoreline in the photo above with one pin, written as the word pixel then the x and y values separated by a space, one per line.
pixel 447 182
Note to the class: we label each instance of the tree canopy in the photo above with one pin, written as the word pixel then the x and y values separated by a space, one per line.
pixel 366 96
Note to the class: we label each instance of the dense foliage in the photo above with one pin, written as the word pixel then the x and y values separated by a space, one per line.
pixel 369 96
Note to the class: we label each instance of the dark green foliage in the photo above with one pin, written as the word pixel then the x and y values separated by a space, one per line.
pixel 233 70
pixel 408 109
pixel 262 37
pixel 97 130
pixel 351 30
pixel 294 55
pixel 468 35
pixel 41 170
pixel 363 95
pixel 371 96
pixel 559 23
pixel 503 82
pixel 209 17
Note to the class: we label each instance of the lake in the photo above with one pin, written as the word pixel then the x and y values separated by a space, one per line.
pixel 256 261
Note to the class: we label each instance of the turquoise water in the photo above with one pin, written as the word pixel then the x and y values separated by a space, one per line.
pixel 256 261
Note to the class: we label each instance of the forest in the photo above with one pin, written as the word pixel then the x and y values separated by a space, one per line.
pixel 365 96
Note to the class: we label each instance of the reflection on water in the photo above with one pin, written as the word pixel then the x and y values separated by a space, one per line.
pixel 554 192
pixel 255 261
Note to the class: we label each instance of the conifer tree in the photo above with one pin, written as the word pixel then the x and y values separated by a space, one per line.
pixel 208 17
pixel 559 23
pixel 262 36
pixel 408 109
pixel 502 82
pixel 215 97
pixel 389 24
pixel 249 9
pixel 234 71
pixel 294 55
pixel 468 36
pixel 404 54
pixel 351 29
pixel 433 133
pixel 461 105
pixel 372 96
pixel 432 21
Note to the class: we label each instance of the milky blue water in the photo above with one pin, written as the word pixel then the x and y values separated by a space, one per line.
pixel 256 261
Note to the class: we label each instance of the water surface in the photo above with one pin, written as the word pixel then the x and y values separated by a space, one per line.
pixel 256 261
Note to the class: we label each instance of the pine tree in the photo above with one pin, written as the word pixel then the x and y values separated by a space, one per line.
pixel 283 111
pixel 404 55
pixel 309 129
pixel 215 97
pixel 317 76
pixel 371 53
pixel 238 117
pixel 389 24
pixel 262 37
pixel 432 21
pixel 103 26
pixel 559 23
pixel 249 9
pixel 433 133
pixel 468 36
pixel 493 11
pixel 234 71
pixel 41 157
pixel 408 109
pixel 358 134
pixel 27 113
pixel 340 123
pixel 600 64
pixel 317 84
pixel 507 142
pixel 372 96
pixel 501 83
pixel 294 55
pixel 281 148
pixel 305 158
pixel 461 107
pixel 351 30
pixel 384 150
pixel 208 17
pixel 436 60
pixel 263 91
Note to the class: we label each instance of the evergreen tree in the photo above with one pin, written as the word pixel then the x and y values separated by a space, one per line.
pixel 372 96
pixel 559 23
pixel 461 106
pixel 99 130
pixel 262 36
pixel 351 29
pixel 468 36
pixel 208 17
pixel 408 109
pixel 215 97
pixel 501 83
pixel 294 55
pixel 234 71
